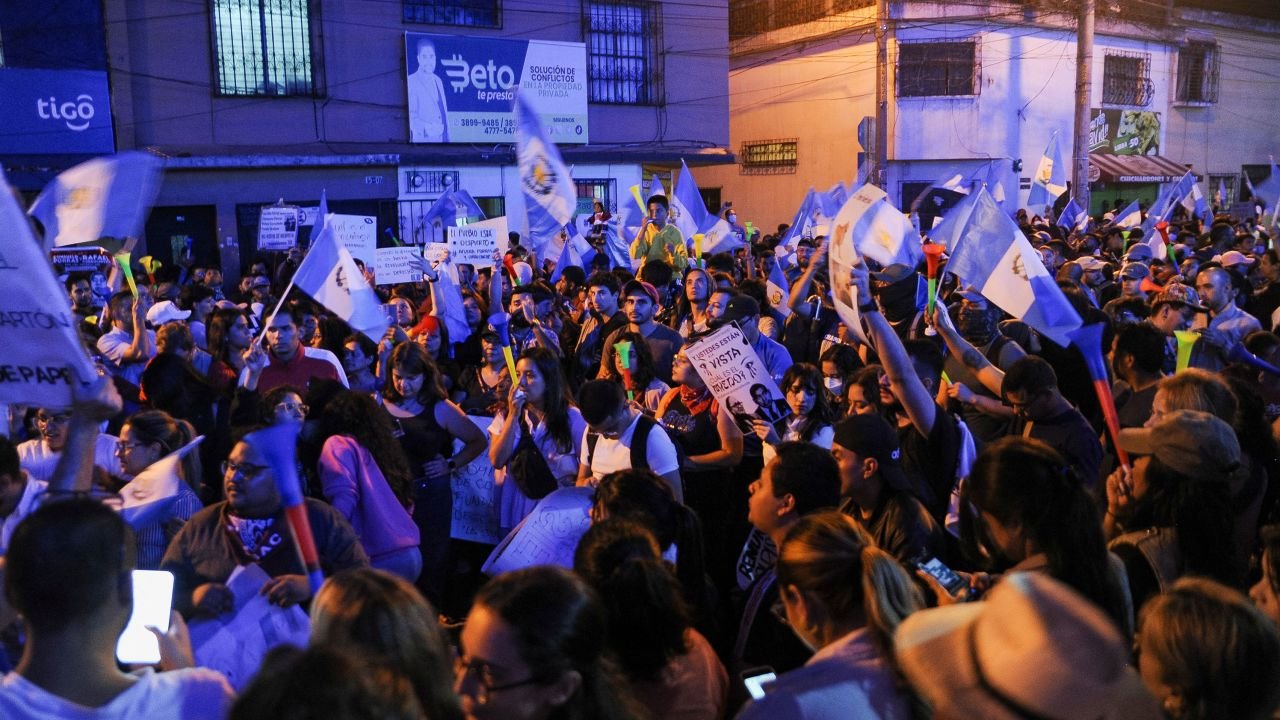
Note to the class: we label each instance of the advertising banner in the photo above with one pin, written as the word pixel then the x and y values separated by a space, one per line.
pixel 1124 132
pixel 55 111
pixel 461 89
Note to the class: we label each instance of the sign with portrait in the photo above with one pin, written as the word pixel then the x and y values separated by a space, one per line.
pixel 737 377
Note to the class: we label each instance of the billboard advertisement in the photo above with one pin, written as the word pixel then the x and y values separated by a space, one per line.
pixel 55 112
pixel 461 89
pixel 1124 132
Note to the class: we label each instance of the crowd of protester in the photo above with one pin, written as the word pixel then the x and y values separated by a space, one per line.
pixel 787 563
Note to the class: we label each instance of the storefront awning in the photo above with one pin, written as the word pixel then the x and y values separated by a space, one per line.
pixel 1109 168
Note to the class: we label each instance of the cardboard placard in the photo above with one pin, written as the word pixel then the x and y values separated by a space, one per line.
pixel 357 233
pixel 548 536
pixel 737 377
pixel 475 498
pixel 394 265
pixel 474 243
pixel 278 227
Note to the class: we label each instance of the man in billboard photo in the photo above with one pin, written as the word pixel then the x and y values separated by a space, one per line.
pixel 428 109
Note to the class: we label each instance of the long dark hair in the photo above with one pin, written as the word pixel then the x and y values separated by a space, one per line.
pixel 555 396
pixel 559 626
pixel 808 375
pixel 356 415
pixel 684 308
pixel 219 328
pixel 412 359
pixel 646 613
pixel 643 373
pixel 1024 481
pixel 1200 509
pixel 157 427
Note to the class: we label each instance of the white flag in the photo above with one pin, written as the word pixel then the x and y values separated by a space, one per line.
pixel 104 197
pixel 329 275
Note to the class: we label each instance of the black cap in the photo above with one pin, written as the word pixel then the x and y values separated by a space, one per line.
pixel 871 436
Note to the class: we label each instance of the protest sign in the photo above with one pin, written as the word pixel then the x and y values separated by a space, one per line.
pixel 474 243
pixel 436 252
pixel 394 265
pixel 278 227
pixel 43 354
pixel 235 643
pixel 733 372
pixel 548 536
pixel 475 499
pixel 357 233
pixel 759 555
pixel 841 257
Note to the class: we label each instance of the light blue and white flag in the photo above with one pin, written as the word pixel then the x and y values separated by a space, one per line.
pixel 1220 197
pixel 1268 193
pixel 1195 202
pixel 103 197
pixel 1073 217
pixel 329 275
pixel 1162 209
pixel 321 213
pixel 549 193
pixel 995 186
pixel 881 231
pixel 809 217
pixel 997 259
pixel 778 290
pixel 691 216
pixel 947 231
pixel 1130 217
pixel 1050 179
pixel 655 187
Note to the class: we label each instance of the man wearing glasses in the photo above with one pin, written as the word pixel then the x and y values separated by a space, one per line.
pixel 249 527
pixel 39 456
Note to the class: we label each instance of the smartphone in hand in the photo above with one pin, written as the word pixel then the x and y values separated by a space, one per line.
pixel 152 604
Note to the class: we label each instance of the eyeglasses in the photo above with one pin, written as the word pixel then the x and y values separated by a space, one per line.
pixel 486 684
pixel 245 470
pixel 293 408
pixel 59 419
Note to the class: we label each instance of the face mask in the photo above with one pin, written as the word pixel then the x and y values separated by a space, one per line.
pixel 834 385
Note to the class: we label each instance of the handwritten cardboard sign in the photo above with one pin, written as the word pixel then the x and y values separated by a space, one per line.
pixel 357 233
pixel 474 243
pixel 475 498
pixel 737 377
pixel 394 265
pixel 548 536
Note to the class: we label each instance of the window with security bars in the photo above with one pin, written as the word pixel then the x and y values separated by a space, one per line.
pixel 461 13
pixel 927 69
pixel 601 191
pixel 263 47
pixel 768 157
pixel 1126 79
pixel 623 64
pixel 1198 73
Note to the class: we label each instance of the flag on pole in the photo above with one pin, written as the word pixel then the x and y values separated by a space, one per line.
pixel 1130 217
pixel 550 196
pixel 104 197
pixel 655 187
pixel 1050 180
pixel 996 258
pixel 1073 217
pixel 1268 192
pixel 947 231
pixel 329 275
pixel 1162 209
pixel 995 187
pixel 691 216
pixel 778 290
pixel 1220 197
pixel 1195 202
pixel 809 216
pixel 321 213
pixel 882 232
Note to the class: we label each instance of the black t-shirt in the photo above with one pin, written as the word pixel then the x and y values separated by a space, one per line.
pixel 1070 434
pixel 930 462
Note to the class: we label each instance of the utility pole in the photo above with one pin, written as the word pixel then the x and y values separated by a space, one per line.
pixel 1084 88
pixel 881 167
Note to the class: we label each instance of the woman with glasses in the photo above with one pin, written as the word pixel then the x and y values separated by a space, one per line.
pixel 426 423
pixel 533 648
pixel 145 438
pixel 366 478
pixel 812 418
pixel 282 405
pixel 843 597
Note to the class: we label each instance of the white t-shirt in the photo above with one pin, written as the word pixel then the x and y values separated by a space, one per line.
pixel 613 455
pixel 113 346
pixel 39 461
pixel 26 504
pixel 191 694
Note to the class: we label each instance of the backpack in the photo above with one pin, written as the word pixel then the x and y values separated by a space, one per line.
pixel 639 443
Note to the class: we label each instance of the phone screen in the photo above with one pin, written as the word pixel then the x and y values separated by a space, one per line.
pixel 943 574
pixel 755 680
pixel 152 603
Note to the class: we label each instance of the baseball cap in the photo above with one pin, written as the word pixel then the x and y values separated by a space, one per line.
pixel 1191 442
pixel 1231 258
pixel 640 286
pixel 871 436
pixel 166 311
pixel 1135 271
pixel 1090 263
pixel 261 281
pixel 1140 251
pixel 739 308
pixel 1177 294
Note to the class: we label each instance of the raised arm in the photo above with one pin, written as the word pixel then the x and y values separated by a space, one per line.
pixel 800 290
pixel 991 377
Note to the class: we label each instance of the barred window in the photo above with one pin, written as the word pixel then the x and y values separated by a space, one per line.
pixel 937 68
pixel 1198 73
pixel 622 42
pixel 263 47
pixel 1126 79
pixel 769 157
pixel 847 5
pixel 592 191
pixel 462 13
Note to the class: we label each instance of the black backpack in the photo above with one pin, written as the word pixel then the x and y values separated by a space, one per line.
pixel 639 443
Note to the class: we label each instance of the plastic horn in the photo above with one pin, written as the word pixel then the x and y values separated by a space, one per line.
pixel 1088 340
pixel 635 192
pixel 278 447
pixel 122 260
pixel 151 265
pixel 1186 341
pixel 1150 286
pixel 510 265
pixel 1238 354
pixel 623 348
pixel 393 237
pixel 697 247
pixel 932 256
pixel 750 231
pixel 499 322
pixel 1125 234
pixel 1163 228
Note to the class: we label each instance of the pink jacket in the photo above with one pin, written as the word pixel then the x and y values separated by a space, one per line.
pixel 357 489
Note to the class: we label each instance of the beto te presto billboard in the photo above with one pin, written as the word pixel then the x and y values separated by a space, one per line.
pixel 462 89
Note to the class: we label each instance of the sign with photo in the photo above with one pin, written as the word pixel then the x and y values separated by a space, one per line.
pixel 462 89
pixel 278 227
pixel 737 377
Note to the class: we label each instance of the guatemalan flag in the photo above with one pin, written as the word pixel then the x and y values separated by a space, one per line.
pixel 1050 180
pixel 996 258
pixel 550 197
pixel 1130 217
pixel 1073 217
pixel 329 275
pixel 686 202
pixel 103 197
pixel 948 230
pixel 882 232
